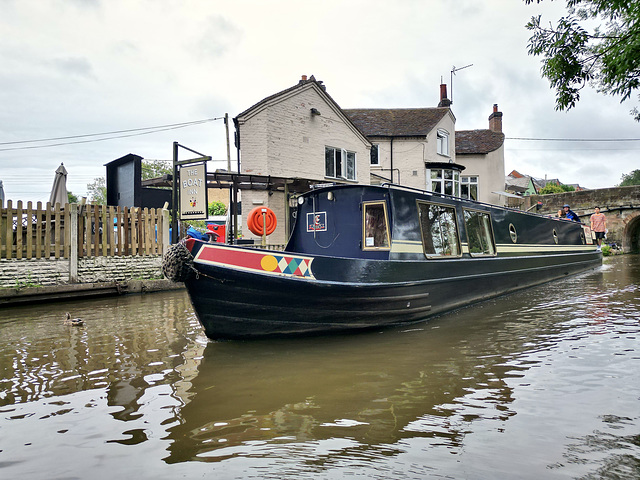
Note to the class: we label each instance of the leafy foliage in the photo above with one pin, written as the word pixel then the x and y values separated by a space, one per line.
pixel 72 198
pixel 551 188
pixel 629 179
pixel 576 54
pixel 217 208
pixel 97 191
pixel 155 168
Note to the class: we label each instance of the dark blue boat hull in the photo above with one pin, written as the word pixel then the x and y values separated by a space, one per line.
pixel 236 304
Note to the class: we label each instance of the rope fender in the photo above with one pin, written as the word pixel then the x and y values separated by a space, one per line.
pixel 177 263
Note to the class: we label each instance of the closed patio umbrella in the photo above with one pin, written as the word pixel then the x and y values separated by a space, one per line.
pixel 59 189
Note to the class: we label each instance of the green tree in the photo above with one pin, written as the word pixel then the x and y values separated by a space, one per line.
pixel 597 43
pixel 155 168
pixel 97 191
pixel 551 188
pixel 629 179
pixel 72 198
pixel 568 188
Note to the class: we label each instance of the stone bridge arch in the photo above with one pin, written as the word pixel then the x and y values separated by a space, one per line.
pixel 631 233
pixel 621 206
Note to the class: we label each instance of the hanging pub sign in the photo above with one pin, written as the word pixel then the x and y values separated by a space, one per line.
pixel 193 192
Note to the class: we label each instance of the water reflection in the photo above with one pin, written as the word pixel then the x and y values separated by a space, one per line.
pixel 547 378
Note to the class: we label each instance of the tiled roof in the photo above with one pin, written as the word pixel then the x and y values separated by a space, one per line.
pixel 396 122
pixel 478 141
pixel 522 182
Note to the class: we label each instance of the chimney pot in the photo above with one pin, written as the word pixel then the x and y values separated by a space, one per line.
pixel 495 108
pixel 304 78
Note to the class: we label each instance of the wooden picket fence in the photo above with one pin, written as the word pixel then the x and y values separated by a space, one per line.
pixel 97 230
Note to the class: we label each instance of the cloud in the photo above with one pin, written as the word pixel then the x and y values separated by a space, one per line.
pixel 218 38
pixel 78 66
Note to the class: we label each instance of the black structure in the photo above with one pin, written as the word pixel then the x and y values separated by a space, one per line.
pixel 365 257
pixel 124 185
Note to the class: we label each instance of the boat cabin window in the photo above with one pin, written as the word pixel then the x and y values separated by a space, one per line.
pixel 439 230
pixel 479 233
pixel 375 226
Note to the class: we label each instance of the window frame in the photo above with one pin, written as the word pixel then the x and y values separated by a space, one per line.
pixel 491 233
pixel 442 180
pixel 442 142
pixel 341 165
pixel 457 230
pixel 386 224
pixel 376 147
pixel 469 184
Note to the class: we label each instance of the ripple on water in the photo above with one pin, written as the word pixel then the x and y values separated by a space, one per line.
pixel 543 384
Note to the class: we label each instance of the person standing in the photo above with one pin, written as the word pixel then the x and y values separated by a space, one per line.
pixel 569 214
pixel 599 225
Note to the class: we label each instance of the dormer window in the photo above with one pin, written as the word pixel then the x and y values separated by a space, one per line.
pixel 442 142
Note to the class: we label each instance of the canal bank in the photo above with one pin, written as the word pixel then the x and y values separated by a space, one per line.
pixel 14 296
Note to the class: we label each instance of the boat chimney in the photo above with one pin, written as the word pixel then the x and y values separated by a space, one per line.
pixel 495 120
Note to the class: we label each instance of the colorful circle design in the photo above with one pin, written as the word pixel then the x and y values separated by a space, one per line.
pixel 269 263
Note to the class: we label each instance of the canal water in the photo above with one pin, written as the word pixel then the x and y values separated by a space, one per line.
pixel 544 383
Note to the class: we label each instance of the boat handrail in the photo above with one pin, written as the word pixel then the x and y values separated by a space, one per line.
pixel 441 195
pixel 453 197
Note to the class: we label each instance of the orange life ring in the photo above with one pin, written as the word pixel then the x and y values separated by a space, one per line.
pixel 254 221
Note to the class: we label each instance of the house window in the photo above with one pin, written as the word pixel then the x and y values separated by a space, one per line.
pixel 375 150
pixel 469 187
pixel 479 233
pixel 375 228
pixel 339 163
pixel 442 142
pixel 442 180
pixel 439 230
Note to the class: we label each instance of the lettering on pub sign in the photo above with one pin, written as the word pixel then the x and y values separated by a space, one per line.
pixel 193 192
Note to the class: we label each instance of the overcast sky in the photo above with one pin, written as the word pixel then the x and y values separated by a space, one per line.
pixel 79 67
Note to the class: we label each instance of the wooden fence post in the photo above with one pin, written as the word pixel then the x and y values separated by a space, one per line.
pixel 165 230
pixel 73 243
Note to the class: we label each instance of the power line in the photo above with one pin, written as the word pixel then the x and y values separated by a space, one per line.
pixel 141 131
pixel 575 139
pixel 194 122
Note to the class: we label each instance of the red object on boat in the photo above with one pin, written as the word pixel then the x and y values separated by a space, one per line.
pixel 255 222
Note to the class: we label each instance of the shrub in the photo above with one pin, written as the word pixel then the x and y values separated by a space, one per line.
pixel 217 208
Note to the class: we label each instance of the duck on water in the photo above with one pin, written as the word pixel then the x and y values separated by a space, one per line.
pixel 362 257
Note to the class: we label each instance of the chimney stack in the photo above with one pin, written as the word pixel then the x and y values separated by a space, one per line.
pixel 304 78
pixel 444 101
pixel 495 120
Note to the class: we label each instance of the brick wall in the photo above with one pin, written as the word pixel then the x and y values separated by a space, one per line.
pixel 284 139
pixel 97 269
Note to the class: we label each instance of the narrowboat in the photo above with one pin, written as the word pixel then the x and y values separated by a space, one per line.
pixel 364 257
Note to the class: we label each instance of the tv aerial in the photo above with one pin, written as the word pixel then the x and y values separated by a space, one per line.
pixel 453 72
